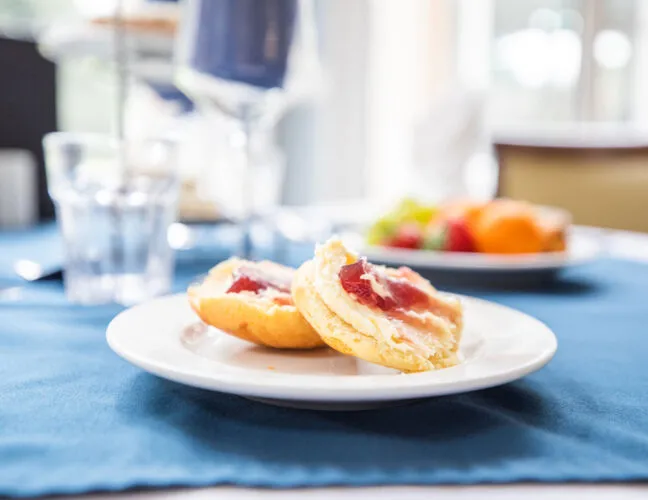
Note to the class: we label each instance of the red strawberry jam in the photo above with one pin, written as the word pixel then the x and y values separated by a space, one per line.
pixel 250 279
pixel 400 293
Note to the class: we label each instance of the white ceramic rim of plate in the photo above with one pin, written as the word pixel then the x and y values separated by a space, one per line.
pixel 583 246
pixel 175 362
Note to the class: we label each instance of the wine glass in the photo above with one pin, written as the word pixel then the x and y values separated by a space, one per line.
pixel 246 60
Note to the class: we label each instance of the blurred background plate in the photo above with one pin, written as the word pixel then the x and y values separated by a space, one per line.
pixel 583 246
pixel 453 269
pixel 445 269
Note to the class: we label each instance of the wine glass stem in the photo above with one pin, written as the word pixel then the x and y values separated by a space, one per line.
pixel 247 217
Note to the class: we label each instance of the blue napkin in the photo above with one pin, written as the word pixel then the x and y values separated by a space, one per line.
pixel 74 417
pixel 230 40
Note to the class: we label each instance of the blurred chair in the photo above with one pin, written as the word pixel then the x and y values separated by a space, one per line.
pixel 604 185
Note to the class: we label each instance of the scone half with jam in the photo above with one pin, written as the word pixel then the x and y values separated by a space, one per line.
pixel 252 301
pixel 392 317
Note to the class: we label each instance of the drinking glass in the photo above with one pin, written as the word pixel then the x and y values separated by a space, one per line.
pixel 246 60
pixel 114 203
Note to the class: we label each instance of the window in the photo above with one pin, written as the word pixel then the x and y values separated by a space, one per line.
pixel 553 61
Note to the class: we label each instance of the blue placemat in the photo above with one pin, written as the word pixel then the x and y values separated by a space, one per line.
pixel 74 417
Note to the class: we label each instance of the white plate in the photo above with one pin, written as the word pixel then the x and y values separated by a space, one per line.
pixel 583 246
pixel 163 337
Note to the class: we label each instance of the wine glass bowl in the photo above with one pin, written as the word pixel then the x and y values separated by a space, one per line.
pixel 243 62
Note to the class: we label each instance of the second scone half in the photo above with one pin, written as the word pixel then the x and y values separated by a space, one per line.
pixel 392 317
pixel 252 301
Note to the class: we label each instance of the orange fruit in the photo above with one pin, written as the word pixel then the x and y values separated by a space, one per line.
pixel 508 227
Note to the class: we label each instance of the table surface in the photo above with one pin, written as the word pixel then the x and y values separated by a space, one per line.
pixel 479 492
pixel 618 244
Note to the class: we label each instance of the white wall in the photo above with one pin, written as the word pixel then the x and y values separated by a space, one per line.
pixel 411 62
pixel 325 141
pixel 385 63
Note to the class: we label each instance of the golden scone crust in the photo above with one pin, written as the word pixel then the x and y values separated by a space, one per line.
pixel 344 338
pixel 248 317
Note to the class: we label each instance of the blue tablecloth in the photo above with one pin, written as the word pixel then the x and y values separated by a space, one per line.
pixel 74 417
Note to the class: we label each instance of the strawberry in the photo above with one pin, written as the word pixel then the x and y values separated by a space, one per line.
pixel 407 236
pixel 458 236
pixel 449 235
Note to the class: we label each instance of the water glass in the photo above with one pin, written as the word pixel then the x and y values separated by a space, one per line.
pixel 114 204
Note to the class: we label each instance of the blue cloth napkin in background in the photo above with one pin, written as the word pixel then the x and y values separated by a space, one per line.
pixel 74 417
